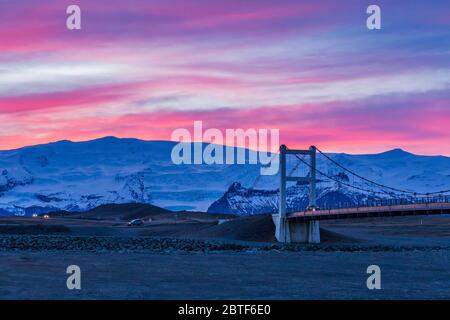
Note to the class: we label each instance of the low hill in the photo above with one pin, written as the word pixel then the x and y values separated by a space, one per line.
pixel 127 211
pixel 130 211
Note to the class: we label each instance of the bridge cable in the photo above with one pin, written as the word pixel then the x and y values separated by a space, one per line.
pixel 379 184
pixel 341 182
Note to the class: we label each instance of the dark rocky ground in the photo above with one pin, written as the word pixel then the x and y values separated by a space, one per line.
pixel 58 243
pixel 191 256
pixel 226 275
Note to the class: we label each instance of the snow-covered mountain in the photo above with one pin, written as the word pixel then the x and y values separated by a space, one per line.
pixel 245 201
pixel 396 168
pixel 82 175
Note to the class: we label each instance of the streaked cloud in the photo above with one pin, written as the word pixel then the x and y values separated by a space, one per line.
pixel 143 68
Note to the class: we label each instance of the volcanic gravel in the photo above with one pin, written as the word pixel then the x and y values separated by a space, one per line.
pixel 150 244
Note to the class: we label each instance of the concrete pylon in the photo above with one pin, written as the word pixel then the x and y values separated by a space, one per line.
pixel 312 177
pixel 281 223
pixel 282 232
pixel 287 231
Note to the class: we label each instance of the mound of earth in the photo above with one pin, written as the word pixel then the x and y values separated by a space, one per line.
pixel 260 228
pixel 126 211
pixel 327 236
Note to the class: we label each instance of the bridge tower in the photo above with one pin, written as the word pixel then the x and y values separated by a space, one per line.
pixel 290 230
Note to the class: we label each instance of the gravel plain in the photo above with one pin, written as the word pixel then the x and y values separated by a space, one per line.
pixel 183 260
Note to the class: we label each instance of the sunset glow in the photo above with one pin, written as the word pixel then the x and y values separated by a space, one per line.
pixel 145 68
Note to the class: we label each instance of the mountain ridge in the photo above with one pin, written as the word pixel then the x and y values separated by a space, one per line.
pixel 115 138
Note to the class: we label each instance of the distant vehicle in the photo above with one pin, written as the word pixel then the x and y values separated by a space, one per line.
pixel 35 215
pixel 46 216
pixel 135 223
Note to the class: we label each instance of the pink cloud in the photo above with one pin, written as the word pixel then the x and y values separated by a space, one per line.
pixel 359 128
pixel 66 99
pixel 238 51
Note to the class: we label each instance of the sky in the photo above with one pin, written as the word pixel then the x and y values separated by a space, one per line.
pixel 143 68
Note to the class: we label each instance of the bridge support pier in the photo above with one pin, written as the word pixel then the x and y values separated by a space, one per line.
pixel 291 230
pixel 295 231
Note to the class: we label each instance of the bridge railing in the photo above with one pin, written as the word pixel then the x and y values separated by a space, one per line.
pixel 387 202
pixel 427 208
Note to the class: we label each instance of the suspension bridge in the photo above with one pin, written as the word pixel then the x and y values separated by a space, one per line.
pixel 303 226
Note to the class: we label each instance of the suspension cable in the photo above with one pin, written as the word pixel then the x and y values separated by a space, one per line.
pixel 341 182
pixel 379 184
pixel 296 166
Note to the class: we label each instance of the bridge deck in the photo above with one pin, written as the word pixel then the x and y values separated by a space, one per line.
pixel 380 211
